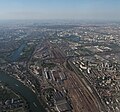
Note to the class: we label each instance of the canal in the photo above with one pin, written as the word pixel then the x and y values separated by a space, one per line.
pixel 15 55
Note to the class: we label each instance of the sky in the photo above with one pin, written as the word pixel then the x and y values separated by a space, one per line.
pixel 60 9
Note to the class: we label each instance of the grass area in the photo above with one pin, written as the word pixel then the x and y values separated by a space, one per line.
pixel 3 57
pixel 6 93
pixel 49 65
pixel 26 53
pixel 68 66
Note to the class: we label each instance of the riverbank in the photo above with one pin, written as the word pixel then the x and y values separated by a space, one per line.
pixel 17 86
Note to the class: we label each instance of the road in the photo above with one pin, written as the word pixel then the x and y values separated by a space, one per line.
pixel 89 88
pixel 80 93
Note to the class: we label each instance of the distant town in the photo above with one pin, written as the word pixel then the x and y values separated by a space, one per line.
pixel 60 67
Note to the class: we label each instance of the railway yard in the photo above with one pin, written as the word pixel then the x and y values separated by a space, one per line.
pixel 68 90
pixel 69 68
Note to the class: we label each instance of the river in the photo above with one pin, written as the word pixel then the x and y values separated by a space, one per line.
pixel 19 87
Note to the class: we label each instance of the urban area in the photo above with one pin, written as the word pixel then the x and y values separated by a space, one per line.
pixel 60 67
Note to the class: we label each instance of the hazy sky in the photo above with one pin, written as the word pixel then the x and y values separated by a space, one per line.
pixel 60 9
